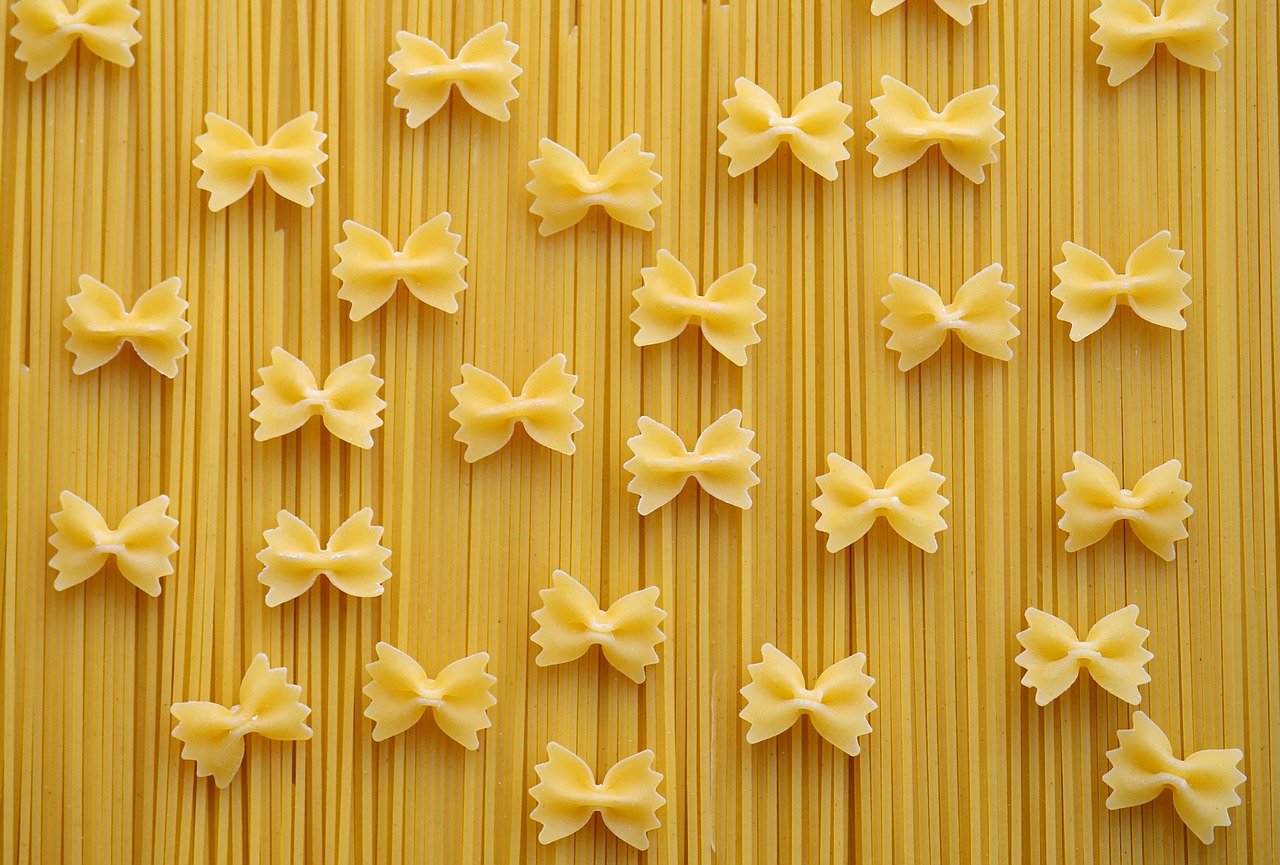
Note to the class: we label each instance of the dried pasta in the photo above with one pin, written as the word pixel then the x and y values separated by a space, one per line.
pixel 100 326
pixel 213 735
pixel 720 462
pixel 400 691
pixel 487 412
pixel 564 189
pixel 906 126
pixel 483 72
pixel 1129 31
pixel 293 558
pixel 1203 783
pixel 47 30
pixel 570 622
pixel 1093 501
pixel 142 543
pixel 288 397
pixel 1112 653
pixel 838 704
pixel 230 160
pixel 960 10
pixel 668 300
pixel 981 315
pixel 370 268
pixel 567 794
pixel 850 502
pixel 755 127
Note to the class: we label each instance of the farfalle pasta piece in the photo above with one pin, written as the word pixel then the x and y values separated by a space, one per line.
pixel 755 127
pixel 906 126
pixel 1112 653
pixel 47 30
pixel 213 735
pixel 570 622
pixel 851 502
pixel 370 268
pixel 483 72
pixel 459 697
pixel 1203 783
pixel 288 397
pixel 142 543
pixel 1152 286
pixel 720 462
pixel 981 315
pixel 1128 31
pixel 100 326
pixel 838 704
pixel 960 10
pixel 293 558
pixel 1093 501
pixel 230 160
pixel 564 189
pixel 567 794
pixel 728 312
pixel 487 413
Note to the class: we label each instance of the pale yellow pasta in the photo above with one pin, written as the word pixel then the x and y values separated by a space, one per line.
pixel 100 326
pixel 483 72
pixel 721 462
pixel 851 502
pixel 1112 653
pixel 1156 508
pixel 289 396
pixel 570 622
pixel 564 189
pixel 668 300
pixel 400 691
pixel 47 30
pixel 1129 31
pixel 294 559
pixel 487 412
pixel 213 735
pixel 960 10
pixel 1203 783
pixel 1152 286
pixel 906 126
pixel 838 704
pixel 981 315
pixel 142 543
pixel 230 160
pixel 755 127
pixel 370 268
pixel 567 794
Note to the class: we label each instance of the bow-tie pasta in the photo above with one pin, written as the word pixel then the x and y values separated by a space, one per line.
pixel 960 10
pixel 1203 783
pixel 851 502
pixel 47 30
pixel 815 131
pixel 100 326
pixel 721 462
pixel 981 316
pixel 1156 508
pixel 370 268
pixel 906 126
pixel 230 160
pixel 400 692
pixel 570 622
pixel 483 72
pixel 727 313
pixel 1112 653
pixel 564 189
pixel 288 397
pixel 1152 286
pixel 1129 32
pixel 567 794
pixel 838 704
pixel 213 735
pixel 487 412
pixel 142 544
pixel 352 559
